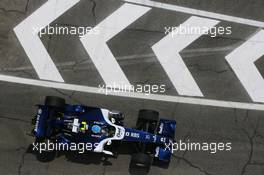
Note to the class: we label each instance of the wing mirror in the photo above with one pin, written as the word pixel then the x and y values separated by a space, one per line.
pixel 117 115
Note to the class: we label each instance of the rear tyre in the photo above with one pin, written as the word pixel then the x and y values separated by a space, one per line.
pixel 55 102
pixel 148 115
pixel 147 120
pixel 141 160
pixel 45 155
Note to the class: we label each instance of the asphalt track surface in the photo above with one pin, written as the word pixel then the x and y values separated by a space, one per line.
pixel 132 48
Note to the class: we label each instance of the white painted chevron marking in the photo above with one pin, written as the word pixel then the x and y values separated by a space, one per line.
pixel 197 12
pixel 167 51
pixel 242 62
pixel 32 44
pixel 97 48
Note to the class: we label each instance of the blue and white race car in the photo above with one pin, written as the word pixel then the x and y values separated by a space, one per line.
pixel 63 123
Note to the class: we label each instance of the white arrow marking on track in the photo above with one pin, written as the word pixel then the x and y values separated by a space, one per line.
pixel 167 51
pixel 242 62
pixel 97 48
pixel 35 50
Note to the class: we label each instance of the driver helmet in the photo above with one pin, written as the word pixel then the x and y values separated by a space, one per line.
pixel 96 129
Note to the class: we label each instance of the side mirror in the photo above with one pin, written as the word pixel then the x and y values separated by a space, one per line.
pixel 109 142
pixel 116 115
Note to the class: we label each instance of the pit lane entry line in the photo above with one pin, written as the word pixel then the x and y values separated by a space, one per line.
pixel 155 97
pixel 197 12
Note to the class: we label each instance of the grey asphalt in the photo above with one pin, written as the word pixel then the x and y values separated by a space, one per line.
pixel 243 128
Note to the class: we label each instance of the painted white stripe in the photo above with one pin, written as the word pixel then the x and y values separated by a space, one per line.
pixel 242 62
pixel 155 97
pixel 197 12
pixel 167 51
pixel 97 48
pixel 32 44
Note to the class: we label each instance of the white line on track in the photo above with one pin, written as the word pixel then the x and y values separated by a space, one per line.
pixel 155 97
pixel 196 12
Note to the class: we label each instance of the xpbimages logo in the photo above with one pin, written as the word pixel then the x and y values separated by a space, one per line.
pixel 66 30
pixel 54 146
pixel 212 147
pixel 146 89
pixel 198 30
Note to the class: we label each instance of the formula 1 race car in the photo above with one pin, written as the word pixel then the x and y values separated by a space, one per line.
pixel 63 123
